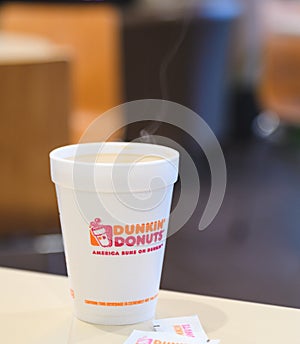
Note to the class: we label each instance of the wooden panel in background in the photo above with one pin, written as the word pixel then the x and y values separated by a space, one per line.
pixel 34 109
pixel 91 33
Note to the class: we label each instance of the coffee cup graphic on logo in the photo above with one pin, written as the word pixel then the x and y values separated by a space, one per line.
pixel 101 233
pixel 114 202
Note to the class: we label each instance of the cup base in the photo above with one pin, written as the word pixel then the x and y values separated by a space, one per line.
pixel 127 318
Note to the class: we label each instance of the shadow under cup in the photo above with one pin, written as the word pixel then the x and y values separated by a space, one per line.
pixel 114 202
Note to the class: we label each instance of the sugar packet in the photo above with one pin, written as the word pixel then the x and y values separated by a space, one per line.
pixel 185 326
pixel 189 327
pixel 151 337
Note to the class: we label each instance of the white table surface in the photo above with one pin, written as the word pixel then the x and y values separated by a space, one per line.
pixel 37 308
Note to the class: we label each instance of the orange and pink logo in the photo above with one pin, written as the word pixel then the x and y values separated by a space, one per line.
pixel 129 235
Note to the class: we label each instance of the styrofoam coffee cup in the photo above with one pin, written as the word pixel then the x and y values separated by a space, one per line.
pixel 114 202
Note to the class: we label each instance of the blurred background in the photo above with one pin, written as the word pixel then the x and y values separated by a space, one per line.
pixel 236 63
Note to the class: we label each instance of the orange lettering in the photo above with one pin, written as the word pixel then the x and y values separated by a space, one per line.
pixel 140 228
pixel 160 223
pixel 129 229
pixel 178 329
pixel 118 230
pixel 119 304
pixel 149 227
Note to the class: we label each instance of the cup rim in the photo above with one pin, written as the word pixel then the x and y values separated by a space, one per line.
pixel 164 152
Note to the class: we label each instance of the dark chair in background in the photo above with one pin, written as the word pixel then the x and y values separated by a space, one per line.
pixel 182 56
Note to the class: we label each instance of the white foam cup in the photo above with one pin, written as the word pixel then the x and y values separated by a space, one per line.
pixel 114 212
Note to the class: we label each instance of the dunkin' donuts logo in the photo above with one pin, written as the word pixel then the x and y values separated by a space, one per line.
pixel 126 235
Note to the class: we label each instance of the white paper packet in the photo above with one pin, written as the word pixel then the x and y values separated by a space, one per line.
pixel 151 337
pixel 185 326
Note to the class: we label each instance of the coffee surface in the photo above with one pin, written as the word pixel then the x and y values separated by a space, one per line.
pixel 115 158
